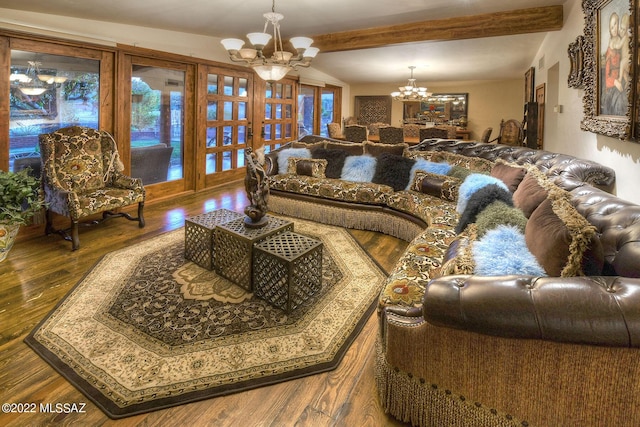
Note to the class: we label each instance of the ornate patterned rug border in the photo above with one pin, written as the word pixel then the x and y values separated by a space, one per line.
pixel 90 385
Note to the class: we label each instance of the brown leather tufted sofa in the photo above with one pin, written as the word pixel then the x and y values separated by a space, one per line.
pixel 522 350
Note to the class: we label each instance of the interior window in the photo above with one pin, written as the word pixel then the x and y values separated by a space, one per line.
pixel 48 92
pixel 157 114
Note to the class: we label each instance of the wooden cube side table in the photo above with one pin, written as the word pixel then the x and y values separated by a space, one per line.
pixel 234 248
pixel 287 269
pixel 198 235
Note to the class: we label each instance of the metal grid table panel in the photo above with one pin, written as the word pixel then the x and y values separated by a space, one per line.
pixel 287 270
pixel 234 248
pixel 198 235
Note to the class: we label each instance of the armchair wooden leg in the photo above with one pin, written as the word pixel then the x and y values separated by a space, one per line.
pixel 75 238
pixel 140 215
pixel 48 228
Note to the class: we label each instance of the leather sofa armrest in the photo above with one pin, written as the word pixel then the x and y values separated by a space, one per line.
pixel 587 310
pixel 404 310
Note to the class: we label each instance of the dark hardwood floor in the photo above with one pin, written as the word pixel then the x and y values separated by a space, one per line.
pixel 41 270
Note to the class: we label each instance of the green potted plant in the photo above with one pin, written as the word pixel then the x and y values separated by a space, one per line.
pixel 19 201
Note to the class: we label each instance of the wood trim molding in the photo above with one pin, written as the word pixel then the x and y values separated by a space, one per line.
pixel 521 21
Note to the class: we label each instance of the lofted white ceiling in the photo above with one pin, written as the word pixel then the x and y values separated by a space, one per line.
pixel 477 59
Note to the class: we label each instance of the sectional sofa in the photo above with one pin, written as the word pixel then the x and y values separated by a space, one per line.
pixel 517 300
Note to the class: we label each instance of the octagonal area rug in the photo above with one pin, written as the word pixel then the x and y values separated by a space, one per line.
pixel 146 329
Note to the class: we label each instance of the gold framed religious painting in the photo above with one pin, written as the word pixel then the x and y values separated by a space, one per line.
pixel 609 72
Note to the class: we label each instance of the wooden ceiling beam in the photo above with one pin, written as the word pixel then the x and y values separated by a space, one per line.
pixel 521 21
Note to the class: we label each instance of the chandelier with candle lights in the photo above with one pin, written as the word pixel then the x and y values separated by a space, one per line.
pixel 277 65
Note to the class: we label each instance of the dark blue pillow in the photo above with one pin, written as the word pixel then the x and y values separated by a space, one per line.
pixel 393 170
pixel 335 160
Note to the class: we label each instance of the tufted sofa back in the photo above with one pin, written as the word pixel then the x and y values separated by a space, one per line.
pixel 616 220
pixel 566 171
pixel 618 224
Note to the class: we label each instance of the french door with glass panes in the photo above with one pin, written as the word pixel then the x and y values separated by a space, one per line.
pixel 228 131
pixel 279 121
pixel 158 124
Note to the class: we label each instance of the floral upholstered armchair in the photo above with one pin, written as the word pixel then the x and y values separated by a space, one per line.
pixel 82 176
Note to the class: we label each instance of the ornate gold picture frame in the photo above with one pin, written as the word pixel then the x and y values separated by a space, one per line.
pixel 576 62
pixel 609 72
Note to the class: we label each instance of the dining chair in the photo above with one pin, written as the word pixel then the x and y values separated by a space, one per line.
pixel 411 130
pixel 433 132
pixel 391 135
pixel 335 130
pixel 511 133
pixel 486 135
pixel 355 133
pixel 375 127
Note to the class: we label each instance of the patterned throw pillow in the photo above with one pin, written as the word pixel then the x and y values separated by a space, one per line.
pixel 442 186
pixel 427 166
pixel 476 164
pixel 283 157
pixel 308 167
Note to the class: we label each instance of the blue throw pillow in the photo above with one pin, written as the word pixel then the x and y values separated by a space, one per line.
pixel 283 157
pixel 503 251
pixel 359 168
pixel 473 183
pixel 427 166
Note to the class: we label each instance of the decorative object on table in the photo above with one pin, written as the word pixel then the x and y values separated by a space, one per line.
pixel 281 62
pixel 212 339
pixel 576 61
pixel 19 201
pixel 257 187
pixel 609 75
pixel 82 176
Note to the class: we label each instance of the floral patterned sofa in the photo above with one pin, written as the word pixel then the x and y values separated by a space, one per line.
pixel 459 346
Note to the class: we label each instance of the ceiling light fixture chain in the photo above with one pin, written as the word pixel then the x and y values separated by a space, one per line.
pixel 411 92
pixel 281 62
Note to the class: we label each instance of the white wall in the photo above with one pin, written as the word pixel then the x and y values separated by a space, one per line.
pixel 489 101
pixel 562 130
